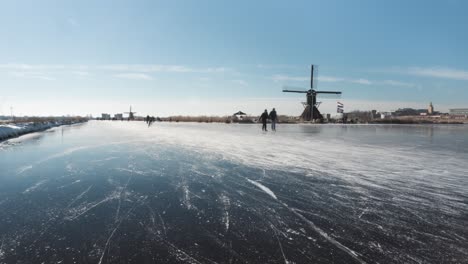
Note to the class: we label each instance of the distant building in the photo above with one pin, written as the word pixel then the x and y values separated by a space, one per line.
pixel 459 112
pixel 409 112
pixel 430 109
pixel 118 116
pixel 359 116
pixel 105 116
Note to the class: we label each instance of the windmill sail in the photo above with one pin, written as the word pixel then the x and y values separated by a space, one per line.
pixel 311 111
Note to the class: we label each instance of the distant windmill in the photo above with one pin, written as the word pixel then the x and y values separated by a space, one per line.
pixel 311 111
pixel 131 115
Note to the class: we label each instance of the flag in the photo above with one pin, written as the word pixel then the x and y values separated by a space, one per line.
pixel 339 108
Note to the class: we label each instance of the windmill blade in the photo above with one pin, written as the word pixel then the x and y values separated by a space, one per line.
pixel 327 92
pixel 313 76
pixel 294 88
pixel 293 91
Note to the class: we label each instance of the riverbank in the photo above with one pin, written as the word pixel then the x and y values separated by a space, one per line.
pixel 16 129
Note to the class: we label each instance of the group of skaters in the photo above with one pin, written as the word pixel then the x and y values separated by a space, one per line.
pixel 150 120
pixel 273 118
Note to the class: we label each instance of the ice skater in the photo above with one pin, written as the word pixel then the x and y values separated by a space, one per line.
pixel 264 118
pixel 274 119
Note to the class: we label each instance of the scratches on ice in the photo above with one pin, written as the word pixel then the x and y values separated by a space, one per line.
pixel 263 188
pixel 275 230
pixel 131 169
pixel 363 212
pixel 121 193
pixel 182 255
pixel 34 187
pixel 54 156
pixel 66 152
pixel 226 204
pixel 79 196
pixel 83 209
pixel 330 239
pixel 153 221
pixel 23 169
pixel 162 224
pixel 102 160
pixel 2 251
pixel 186 197
pixel 107 243
pixel 109 239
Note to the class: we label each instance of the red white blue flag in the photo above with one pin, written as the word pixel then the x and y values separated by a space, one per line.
pixel 339 108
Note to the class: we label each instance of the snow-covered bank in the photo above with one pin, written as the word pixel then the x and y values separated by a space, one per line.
pixel 12 130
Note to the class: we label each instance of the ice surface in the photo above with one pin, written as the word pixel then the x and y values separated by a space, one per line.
pixel 106 192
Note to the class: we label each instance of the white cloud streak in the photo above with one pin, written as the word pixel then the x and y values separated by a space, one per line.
pixel 280 66
pixel 114 67
pixel 439 72
pixel 31 75
pixel 72 22
pixel 134 76
pixel 283 78
pixel 80 73
pixel 240 82
pixel 127 71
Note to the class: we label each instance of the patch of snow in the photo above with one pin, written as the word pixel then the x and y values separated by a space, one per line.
pixel 264 188
pixel 14 130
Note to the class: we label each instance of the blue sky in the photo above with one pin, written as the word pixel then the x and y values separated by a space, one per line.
pixel 218 57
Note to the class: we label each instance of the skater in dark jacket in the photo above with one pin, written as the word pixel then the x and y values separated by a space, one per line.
pixel 264 118
pixel 274 119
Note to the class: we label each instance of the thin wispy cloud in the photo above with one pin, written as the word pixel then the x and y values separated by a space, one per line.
pixel 32 67
pixel 439 72
pixel 398 83
pixel 240 82
pixel 278 78
pixel 72 21
pixel 127 71
pixel 31 75
pixel 160 68
pixel 432 72
pixel 328 79
pixel 80 73
pixel 117 67
pixel 134 76
pixel 363 81
pixel 360 81
pixel 279 66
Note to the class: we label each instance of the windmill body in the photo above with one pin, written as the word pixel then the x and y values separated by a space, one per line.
pixel 131 114
pixel 311 111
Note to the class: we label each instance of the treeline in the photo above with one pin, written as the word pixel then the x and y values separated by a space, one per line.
pixel 61 119
pixel 199 119
pixel 223 119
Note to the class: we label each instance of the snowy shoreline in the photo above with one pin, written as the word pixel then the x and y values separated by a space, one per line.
pixel 12 130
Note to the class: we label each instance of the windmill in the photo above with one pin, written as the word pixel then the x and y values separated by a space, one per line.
pixel 130 114
pixel 311 111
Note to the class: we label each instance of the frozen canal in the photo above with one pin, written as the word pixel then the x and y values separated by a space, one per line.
pixel 120 192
